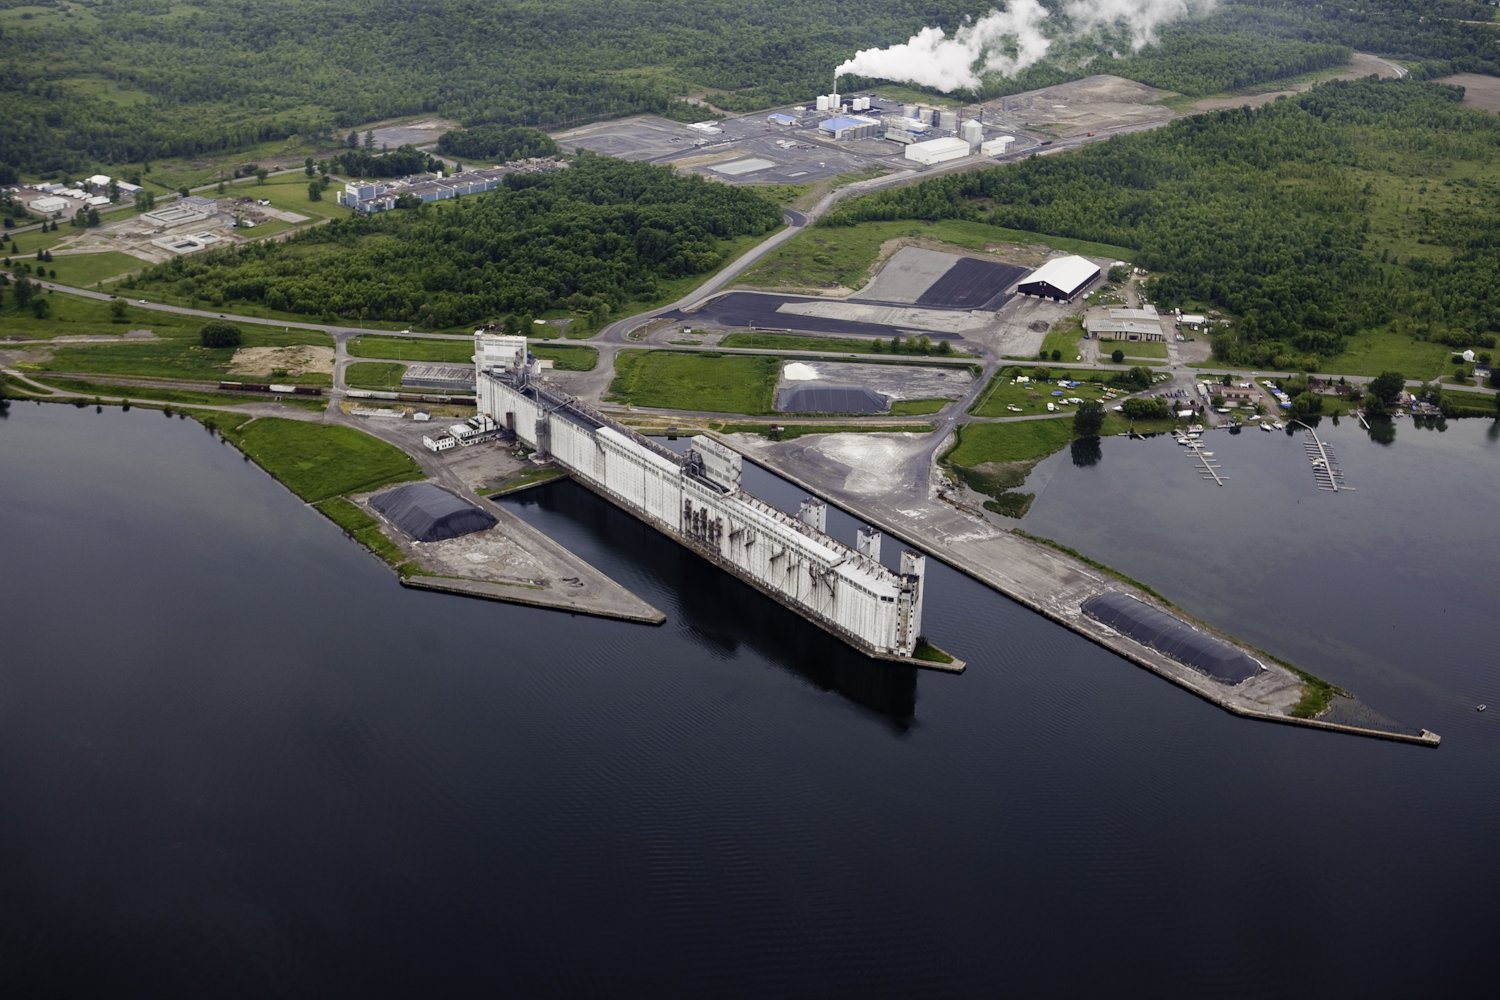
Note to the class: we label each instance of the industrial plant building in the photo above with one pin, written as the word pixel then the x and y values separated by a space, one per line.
pixel 1062 278
pixel 850 127
pixel 380 196
pixel 697 501
pixel 1117 323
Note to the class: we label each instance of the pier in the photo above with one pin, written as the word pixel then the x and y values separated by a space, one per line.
pixel 1208 468
pixel 1325 470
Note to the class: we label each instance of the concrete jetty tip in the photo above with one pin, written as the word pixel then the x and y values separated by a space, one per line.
pixel 632 610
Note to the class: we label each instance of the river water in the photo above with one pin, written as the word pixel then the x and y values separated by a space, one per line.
pixel 236 758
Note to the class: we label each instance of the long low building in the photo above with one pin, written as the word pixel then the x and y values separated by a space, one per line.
pixel 697 500
pixel 938 150
pixel 1118 323
pixel 1061 278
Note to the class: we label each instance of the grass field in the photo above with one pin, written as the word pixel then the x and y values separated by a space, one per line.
pixel 917 407
pixel 1064 339
pixel 843 256
pixel 75 316
pixel 712 383
pixel 1137 349
pixel 1018 441
pixel 176 354
pixel 1372 352
pixel 567 357
pixel 459 352
pixel 85 269
pixel 318 461
pixel 374 374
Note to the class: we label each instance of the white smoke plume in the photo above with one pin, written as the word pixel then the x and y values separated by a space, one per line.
pixel 1004 42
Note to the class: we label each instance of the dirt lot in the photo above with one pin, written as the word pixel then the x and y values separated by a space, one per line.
pixel 1088 105
pixel 300 359
pixel 1482 92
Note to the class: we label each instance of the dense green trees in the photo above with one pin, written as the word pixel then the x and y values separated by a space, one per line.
pixel 217 333
pixel 588 238
pixel 497 143
pixel 1088 419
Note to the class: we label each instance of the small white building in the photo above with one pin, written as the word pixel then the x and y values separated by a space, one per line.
pixel 98 182
pixel 998 146
pixel 937 150
pixel 50 204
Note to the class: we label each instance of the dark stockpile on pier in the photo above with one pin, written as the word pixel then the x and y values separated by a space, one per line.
pixel 1171 636
pixel 430 513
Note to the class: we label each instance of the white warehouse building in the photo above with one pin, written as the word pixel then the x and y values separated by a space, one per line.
pixel 937 150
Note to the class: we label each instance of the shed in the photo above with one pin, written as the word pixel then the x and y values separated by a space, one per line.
pixel 1061 278
pixel 48 205
pixel 428 513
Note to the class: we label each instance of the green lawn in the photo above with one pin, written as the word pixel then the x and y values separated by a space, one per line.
pixel 411 349
pixel 374 375
pixel 1371 352
pixel 1064 339
pixel 1019 441
pixel 1133 348
pixel 318 461
pixel 917 407
pixel 568 358
pixel 84 269
pixel 713 383
pixel 75 316
pixel 843 256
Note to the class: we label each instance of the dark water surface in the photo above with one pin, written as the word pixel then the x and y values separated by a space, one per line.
pixel 236 758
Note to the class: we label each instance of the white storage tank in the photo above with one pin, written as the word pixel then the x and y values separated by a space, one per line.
pixel 822 102
pixel 948 120
pixel 908 111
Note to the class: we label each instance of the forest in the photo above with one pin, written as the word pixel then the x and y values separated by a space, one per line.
pixel 497 143
pixel 91 83
pixel 1358 205
pixel 589 238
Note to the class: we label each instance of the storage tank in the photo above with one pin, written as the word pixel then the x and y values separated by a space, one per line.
pixel 973 133
pixel 948 120
pixel 834 102
pixel 908 111
pixel 822 102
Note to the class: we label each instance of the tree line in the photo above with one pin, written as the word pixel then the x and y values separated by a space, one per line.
pixel 589 238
